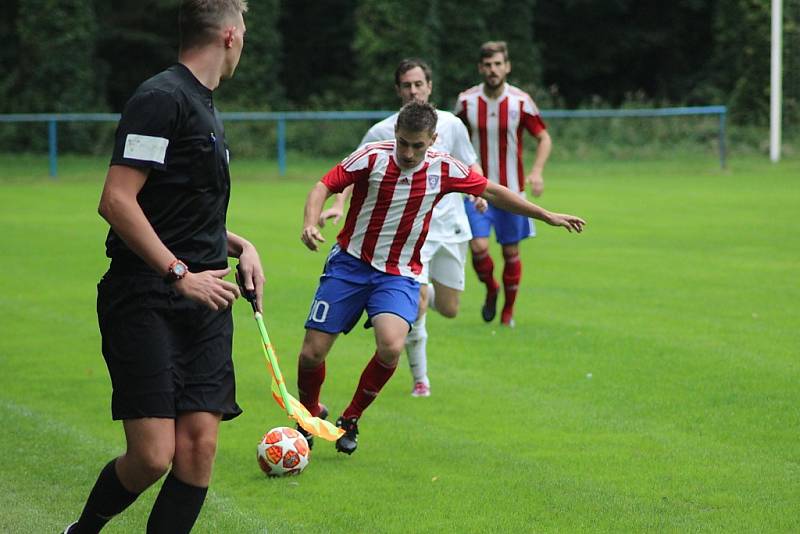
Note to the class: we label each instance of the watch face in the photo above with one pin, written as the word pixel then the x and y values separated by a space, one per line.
pixel 179 269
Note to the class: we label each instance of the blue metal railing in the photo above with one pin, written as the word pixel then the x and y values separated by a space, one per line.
pixel 282 117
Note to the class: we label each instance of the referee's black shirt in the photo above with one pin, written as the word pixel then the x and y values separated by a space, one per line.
pixel 170 126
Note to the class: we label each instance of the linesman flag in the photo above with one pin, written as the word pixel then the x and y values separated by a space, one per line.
pixel 294 409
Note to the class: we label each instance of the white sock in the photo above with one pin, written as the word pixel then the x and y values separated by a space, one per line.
pixel 431 297
pixel 416 344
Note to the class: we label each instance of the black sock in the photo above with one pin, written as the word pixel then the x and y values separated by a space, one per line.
pixel 107 498
pixel 176 508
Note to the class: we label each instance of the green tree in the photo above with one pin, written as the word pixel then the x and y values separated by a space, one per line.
pixel 59 72
pixel 59 69
pixel 256 84
pixel 740 68
pixel 512 21
pixel 318 64
pixel 460 40
pixel 9 54
pixel 139 39
pixel 791 69
pixel 465 28
pixel 386 32
pixel 617 48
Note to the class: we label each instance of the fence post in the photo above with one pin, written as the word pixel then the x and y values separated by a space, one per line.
pixel 282 146
pixel 52 142
pixel 722 149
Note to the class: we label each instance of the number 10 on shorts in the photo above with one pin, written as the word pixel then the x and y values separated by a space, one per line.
pixel 319 311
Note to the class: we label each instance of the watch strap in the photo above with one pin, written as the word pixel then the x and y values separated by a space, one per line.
pixel 176 271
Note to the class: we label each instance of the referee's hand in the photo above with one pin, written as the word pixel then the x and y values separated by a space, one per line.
pixel 209 288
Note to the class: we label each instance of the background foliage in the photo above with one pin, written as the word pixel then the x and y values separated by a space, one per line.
pixel 89 55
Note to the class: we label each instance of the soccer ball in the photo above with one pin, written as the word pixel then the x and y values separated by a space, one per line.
pixel 283 451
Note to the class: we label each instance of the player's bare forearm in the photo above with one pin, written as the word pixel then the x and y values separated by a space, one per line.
pixel 314 202
pixel 536 177
pixel 480 203
pixel 336 210
pixel 237 244
pixel 339 199
pixel 120 208
pixel 543 150
pixel 504 198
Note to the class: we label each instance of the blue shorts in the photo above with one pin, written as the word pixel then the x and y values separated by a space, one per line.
pixel 509 228
pixel 348 286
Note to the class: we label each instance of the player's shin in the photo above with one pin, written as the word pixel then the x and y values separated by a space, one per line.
pixel 372 380
pixel 107 499
pixel 512 274
pixel 432 297
pixel 416 343
pixel 309 384
pixel 177 506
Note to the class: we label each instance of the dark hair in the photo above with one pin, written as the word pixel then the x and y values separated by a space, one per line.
pixel 417 117
pixel 490 48
pixel 197 19
pixel 411 63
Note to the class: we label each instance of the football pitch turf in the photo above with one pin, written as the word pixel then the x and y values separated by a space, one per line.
pixel 650 385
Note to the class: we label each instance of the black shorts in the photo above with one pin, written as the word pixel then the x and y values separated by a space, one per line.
pixel 165 353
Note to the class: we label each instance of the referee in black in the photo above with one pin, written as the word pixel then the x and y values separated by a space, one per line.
pixel 163 307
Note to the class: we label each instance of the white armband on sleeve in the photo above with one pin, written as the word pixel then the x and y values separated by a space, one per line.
pixel 145 148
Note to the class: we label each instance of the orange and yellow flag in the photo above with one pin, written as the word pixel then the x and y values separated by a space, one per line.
pixel 294 409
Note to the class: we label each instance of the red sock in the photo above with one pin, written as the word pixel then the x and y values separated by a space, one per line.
pixel 375 375
pixel 512 273
pixel 484 266
pixel 309 384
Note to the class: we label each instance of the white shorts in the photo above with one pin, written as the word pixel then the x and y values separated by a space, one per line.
pixel 444 262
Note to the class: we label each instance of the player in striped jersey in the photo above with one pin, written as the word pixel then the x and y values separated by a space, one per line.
pixel 376 262
pixel 444 254
pixel 496 114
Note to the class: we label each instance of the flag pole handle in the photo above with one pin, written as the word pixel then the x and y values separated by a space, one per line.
pixel 248 294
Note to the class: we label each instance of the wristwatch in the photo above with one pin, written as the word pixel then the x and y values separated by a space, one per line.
pixel 177 270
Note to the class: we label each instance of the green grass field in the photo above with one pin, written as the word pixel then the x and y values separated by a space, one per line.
pixel 651 383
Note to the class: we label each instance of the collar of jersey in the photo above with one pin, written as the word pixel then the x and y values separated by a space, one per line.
pixel 502 95
pixel 413 169
pixel 189 76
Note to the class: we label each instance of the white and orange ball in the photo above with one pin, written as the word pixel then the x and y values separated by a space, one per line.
pixel 283 451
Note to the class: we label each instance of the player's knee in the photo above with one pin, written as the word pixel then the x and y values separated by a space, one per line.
pixel 389 350
pixel 388 359
pixel 153 463
pixel 310 359
pixel 511 254
pixel 447 309
pixel 198 450
pixel 479 251
pixel 311 356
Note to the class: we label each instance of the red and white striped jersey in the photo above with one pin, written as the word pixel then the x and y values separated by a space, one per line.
pixel 390 211
pixel 495 126
pixel 449 223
